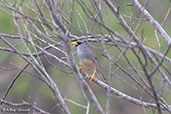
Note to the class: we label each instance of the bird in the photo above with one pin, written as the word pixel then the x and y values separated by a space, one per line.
pixel 88 59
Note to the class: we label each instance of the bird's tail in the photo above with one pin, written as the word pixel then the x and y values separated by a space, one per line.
pixel 100 76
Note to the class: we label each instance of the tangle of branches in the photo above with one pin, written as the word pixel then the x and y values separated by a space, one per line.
pixel 118 36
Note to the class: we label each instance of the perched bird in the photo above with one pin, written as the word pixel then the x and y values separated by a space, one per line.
pixel 88 59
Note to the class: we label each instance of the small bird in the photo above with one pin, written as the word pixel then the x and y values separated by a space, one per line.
pixel 88 59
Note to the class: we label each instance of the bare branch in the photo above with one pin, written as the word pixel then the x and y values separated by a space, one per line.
pixel 152 21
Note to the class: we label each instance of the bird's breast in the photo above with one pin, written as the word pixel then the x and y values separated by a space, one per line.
pixel 87 63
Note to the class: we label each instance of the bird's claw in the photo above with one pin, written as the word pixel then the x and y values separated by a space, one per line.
pixel 92 76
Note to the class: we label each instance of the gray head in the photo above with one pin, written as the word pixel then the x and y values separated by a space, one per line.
pixel 83 46
pixel 83 50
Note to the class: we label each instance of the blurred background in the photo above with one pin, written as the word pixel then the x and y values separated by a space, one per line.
pixel 34 91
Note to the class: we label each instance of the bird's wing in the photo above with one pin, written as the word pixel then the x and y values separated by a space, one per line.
pixel 96 61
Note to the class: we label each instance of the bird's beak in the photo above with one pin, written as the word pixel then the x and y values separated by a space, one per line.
pixel 75 43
